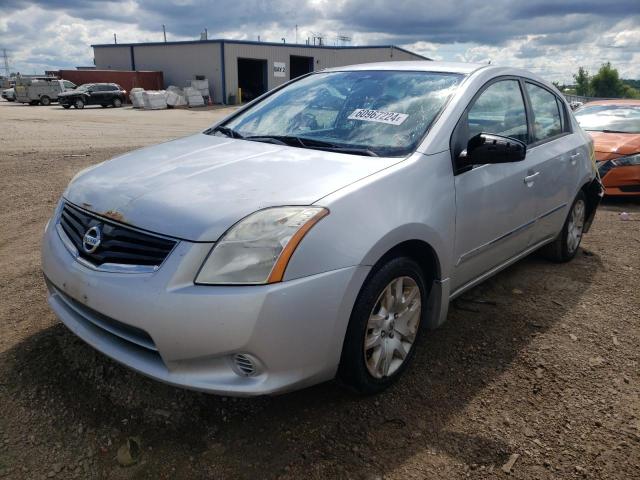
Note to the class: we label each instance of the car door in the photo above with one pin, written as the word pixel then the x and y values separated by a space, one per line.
pixel 556 154
pixel 97 95
pixel 495 205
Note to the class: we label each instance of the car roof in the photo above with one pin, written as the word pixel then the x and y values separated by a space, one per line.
pixel 420 65
pixel 614 101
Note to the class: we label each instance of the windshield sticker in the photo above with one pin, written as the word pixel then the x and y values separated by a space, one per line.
pixel 391 118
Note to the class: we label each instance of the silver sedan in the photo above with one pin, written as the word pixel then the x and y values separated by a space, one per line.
pixel 322 229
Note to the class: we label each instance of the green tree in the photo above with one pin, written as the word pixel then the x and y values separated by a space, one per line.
pixel 606 83
pixel 583 86
pixel 630 92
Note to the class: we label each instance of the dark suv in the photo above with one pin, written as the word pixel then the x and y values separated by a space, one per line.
pixel 103 94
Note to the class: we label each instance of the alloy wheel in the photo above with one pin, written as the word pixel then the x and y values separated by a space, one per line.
pixel 575 226
pixel 392 327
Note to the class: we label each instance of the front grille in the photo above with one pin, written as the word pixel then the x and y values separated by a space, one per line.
pixel 118 244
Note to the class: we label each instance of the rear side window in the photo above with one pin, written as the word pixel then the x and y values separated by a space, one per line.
pixel 547 120
pixel 499 110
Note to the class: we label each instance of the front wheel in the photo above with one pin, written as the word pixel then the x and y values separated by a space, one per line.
pixel 45 101
pixel 385 323
pixel 566 244
pixel 79 103
pixel 117 102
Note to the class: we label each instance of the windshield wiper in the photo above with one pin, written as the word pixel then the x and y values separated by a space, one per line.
pixel 229 132
pixel 352 150
pixel 606 130
pixel 303 142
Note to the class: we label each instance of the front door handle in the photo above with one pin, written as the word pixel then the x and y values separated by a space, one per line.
pixel 530 178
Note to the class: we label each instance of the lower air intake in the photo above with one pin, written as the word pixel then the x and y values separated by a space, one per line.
pixel 245 364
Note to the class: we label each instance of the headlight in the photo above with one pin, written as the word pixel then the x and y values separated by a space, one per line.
pixel 257 249
pixel 627 161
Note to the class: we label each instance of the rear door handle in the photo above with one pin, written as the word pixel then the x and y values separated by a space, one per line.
pixel 574 157
pixel 530 178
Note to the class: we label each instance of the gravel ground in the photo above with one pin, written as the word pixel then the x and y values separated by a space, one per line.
pixel 536 369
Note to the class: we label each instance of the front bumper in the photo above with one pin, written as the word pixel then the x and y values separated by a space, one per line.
pixel 162 325
pixel 623 180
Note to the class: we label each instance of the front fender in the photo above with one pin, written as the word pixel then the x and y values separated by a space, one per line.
pixel 411 200
pixel 594 192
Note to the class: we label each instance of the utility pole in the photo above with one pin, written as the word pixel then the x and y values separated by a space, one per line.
pixel 164 32
pixel 296 34
pixel 115 39
pixel 5 58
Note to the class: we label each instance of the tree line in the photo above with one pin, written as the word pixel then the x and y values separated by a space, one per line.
pixel 606 83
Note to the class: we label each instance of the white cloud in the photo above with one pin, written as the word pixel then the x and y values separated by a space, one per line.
pixel 48 37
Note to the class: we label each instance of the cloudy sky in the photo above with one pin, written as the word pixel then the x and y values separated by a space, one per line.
pixel 550 37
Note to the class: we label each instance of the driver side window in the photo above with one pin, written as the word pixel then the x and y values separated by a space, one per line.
pixel 499 110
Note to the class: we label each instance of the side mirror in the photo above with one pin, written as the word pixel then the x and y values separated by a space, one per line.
pixel 489 148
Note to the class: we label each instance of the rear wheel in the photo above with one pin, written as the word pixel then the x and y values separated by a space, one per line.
pixel 45 101
pixel 565 246
pixel 79 103
pixel 117 102
pixel 385 323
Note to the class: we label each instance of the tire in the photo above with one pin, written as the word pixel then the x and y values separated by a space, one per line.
pixel 567 243
pixel 365 368
pixel 45 101
pixel 66 107
pixel 79 103
pixel 117 103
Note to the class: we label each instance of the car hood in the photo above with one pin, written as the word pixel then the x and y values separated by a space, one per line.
pixel 613 145
pixel 195 188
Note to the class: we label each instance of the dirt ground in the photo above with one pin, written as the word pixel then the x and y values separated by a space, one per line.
pixel 539 364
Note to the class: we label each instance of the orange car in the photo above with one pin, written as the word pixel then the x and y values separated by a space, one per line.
pixel 614 126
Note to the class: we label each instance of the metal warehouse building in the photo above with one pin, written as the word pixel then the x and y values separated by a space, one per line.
pixel 255 67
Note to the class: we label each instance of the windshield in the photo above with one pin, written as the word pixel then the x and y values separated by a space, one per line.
pixel 614 118
pixel 385 113
pixel 85 87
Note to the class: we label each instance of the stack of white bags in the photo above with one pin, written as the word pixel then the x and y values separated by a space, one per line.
pixel 154 99
pixel 136 97
pixel 202 86
pixel 194 97
pixel 175 97
pixel 171 97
